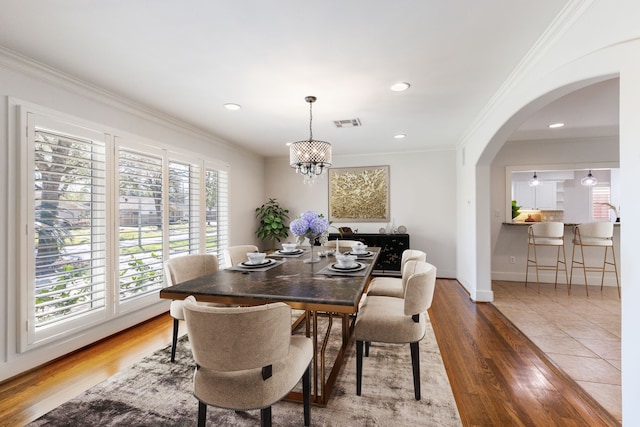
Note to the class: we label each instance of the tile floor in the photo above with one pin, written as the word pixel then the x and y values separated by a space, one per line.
pixel 580 334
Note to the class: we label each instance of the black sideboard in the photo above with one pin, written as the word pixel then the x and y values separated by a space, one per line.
pixel 391 248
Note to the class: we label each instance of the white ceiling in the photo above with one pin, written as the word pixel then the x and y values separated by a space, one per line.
pixel 188 58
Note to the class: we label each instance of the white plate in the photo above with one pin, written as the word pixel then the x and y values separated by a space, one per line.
pixel 359 266
pixel 360 255
pixel 293 252
pixel 247 264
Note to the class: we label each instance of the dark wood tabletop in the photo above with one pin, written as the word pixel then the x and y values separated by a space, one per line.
pixel 293 282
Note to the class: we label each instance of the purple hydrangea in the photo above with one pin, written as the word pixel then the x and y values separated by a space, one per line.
pixel 319 225
pixel 299 226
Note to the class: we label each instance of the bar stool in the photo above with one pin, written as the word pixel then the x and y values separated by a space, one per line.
pixel 546 234
pixel 597 235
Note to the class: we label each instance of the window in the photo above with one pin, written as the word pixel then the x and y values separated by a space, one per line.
pixel 601 198
pixel 68 195
pixel 101 215
pixel 140 228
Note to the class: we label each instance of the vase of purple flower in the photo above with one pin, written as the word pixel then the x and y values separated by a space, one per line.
pixel 312 226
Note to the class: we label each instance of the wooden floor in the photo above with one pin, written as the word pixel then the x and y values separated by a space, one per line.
pixel 498 377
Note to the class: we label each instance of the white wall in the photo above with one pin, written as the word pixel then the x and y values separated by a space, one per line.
pixel 422 198
pixel 575 52
pixel 37 85
pixel 509 240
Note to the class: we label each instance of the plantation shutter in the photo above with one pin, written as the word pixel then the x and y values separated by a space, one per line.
pixel 217 211
pixel 601 197
pixel 141 223
pixel 69 227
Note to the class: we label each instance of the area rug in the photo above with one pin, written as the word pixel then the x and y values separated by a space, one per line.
pixel 156 392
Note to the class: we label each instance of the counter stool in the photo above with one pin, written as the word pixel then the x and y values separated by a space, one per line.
pixel 546 234
pixel 596 235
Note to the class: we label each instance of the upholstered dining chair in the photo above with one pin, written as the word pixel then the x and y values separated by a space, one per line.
pixel 178 270
pixel 236 254
pixel 594 235
pixel 546 234
pixel 246 358
pixel 394 286
pixel 397 320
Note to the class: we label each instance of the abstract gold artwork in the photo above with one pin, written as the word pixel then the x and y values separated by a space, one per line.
pixel 359 194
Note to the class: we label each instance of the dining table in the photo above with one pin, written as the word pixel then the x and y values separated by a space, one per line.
pixel 319 289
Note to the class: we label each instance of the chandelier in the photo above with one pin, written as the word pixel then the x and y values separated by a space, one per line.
pixel 311 157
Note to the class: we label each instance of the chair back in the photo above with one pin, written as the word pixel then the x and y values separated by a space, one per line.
pixel 420 285
pixel 596 230
pixel 238 338
pixel 412 254
pixel 236 254
pixel 187 267
pixel 553 230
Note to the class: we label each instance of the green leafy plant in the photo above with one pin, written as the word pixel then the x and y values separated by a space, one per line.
pixel 515 209
pixel 272 221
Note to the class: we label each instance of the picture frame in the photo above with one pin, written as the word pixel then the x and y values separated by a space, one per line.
pixel 359 194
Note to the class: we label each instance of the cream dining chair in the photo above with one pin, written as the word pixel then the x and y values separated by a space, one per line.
pixel 394 286
pixel 180 269
pixel 397 320
pixel 594 235
pixel 246 358
pixel 234 255
pixel 546 234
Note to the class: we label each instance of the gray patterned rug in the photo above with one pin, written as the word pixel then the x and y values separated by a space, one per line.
pixel 155 392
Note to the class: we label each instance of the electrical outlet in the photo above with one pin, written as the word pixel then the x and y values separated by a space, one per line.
pixel 512 260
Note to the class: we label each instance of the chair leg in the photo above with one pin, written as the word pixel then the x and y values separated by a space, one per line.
pixel 306 395
pixel 265 417
pixel 202 414
pixel 359 367
pixel 367 344
pixel 415 363
pixel 174 342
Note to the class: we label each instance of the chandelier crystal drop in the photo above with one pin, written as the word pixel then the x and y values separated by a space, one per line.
pixel 310 158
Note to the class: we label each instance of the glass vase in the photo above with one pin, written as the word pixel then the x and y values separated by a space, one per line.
pixel 313 258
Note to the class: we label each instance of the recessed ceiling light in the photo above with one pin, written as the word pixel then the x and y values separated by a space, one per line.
pixel 232 107
pixel 399 87
pixel 556 125
pixel 400 136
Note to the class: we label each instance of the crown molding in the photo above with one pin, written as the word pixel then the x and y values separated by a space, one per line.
pixel 562 22
pixel 22 64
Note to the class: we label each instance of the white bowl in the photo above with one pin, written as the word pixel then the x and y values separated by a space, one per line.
pixel 256 257
pixel 289 247
pixel 346 261
pixel 359 248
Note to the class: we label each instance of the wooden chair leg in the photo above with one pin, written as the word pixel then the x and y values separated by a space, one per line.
pixel 202 414
pixel 359 367
pixel 174 342
pixel 265 417
pixel 415 363
pixel 306 395
pixel 366 348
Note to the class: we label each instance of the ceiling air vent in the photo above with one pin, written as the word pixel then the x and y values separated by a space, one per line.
pixel 350 123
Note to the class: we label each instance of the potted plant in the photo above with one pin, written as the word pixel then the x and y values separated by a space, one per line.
pixel 515 209
pixel 272 219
